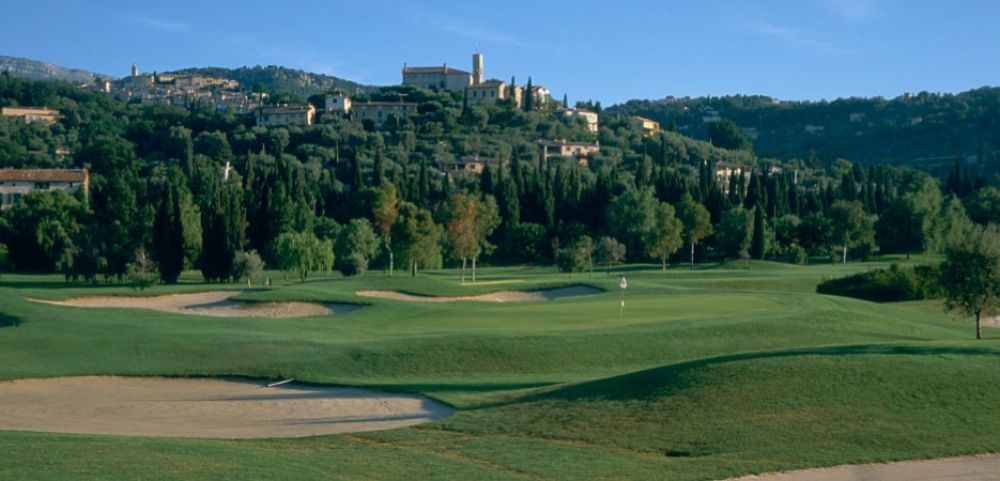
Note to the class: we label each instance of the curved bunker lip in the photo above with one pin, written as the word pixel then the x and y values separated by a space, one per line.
pixel 211 303
pixel 204 408
pixel 503 296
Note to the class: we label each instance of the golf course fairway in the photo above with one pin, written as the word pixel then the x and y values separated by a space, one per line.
pixel 710 373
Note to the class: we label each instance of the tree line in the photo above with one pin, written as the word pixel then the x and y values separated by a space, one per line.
pixel 350 195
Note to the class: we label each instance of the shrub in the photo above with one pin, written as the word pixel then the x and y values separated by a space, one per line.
pixel 886 285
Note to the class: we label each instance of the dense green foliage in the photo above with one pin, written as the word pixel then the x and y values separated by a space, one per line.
pixel 893 284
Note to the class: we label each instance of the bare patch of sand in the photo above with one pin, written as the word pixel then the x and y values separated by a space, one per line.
pixel 984 467
pixel 213 303
pixel 992 321
pixel 203 408
pixel 504 296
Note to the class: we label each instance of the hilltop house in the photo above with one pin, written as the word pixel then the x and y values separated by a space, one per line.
pixel 32 114
pixel 724 172
pixel 649 127
pixel 379 112
pixel 15 183
pixel 469 165
pixel 490 91
pixel 579 151
pixel 444 77
pixel 589 117
pixel 286 115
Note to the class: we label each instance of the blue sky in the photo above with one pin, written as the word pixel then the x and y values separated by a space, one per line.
pixel 607 51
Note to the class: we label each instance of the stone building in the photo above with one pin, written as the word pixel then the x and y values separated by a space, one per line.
pixel 649 127
pixel 380 112
pixel 32 114
pixel 286 115
pixel 578 151
pixel 490 91
pixel 589 117
pixel 437 78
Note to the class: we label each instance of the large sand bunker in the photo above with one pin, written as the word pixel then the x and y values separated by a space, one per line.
pixel 203 408
pixel 985 467
pixel 504 296
pixel 214 303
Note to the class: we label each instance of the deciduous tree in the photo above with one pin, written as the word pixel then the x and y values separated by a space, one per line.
pixel 970 275
pixel 665 236
pixel 696 220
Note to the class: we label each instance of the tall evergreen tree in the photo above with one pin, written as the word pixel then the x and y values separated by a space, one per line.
pixel 529 101
pixel 758 242
pixel 168 235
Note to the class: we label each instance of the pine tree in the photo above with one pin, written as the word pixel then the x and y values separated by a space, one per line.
pixel 565 101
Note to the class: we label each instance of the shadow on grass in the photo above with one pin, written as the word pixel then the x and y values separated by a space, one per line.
pixel 666 380
pixel 9 320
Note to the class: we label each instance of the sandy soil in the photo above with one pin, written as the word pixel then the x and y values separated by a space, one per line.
pixel 203 408
pixel 991 321
pixel 985 467
pixel 215 303
pixel 504 296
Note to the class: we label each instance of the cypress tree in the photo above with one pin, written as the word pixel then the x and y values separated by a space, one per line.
pixel 510 205
pixel 357 183
pixel 529 101
pixel 168 236
pixel 423 185
pixel 758 244
pixel 378 169
pixel 486 180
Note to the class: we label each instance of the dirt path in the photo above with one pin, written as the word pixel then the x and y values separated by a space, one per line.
pixel 504 296
pixel 214 303
pixel 203 408
pixel 984 467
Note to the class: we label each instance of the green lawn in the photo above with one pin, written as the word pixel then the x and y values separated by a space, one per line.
pixel 711 372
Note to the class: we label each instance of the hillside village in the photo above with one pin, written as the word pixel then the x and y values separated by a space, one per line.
pixel 192 91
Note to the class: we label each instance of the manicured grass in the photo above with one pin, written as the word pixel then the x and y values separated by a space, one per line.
pixel 710 372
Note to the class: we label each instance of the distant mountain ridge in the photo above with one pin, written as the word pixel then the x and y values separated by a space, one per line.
pixel 37 70
pixel 281 79
pixel 271 78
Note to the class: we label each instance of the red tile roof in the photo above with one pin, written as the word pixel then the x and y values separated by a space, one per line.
pixel 44 175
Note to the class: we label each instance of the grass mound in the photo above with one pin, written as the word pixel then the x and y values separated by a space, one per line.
pixel 757 411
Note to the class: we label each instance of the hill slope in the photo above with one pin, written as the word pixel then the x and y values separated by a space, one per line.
pixel 281 79
pixel 924 130
pixel 36 70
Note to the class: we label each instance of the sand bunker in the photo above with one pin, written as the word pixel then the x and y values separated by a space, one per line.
pixel 215 303
pixel 985 467
pixel 203 408
pixel 505 296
